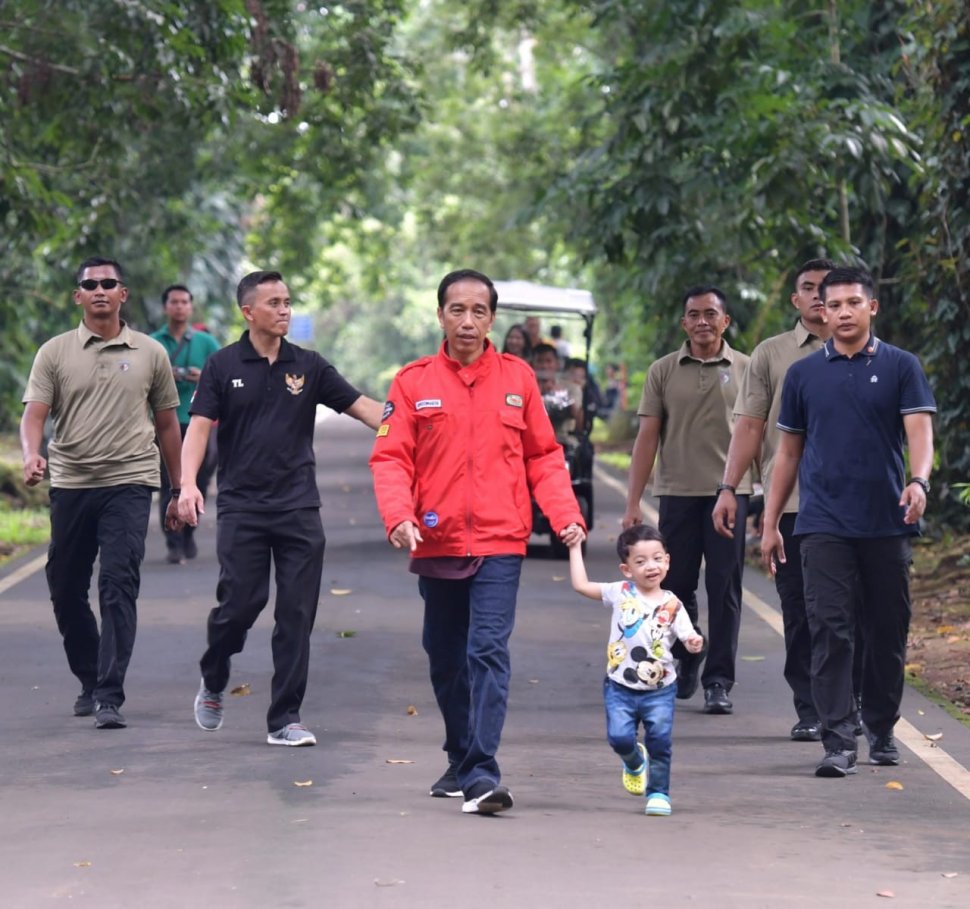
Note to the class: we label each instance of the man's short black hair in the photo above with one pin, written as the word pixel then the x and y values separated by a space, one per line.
pixel 251 281
pixel 572 362
pixel 847 275
pixel 542 348
pixel 467 274
pixel 637 533
pixel 814 265
pixel 172 287
pixel 699 290
pixel 94 262
pixel 556 331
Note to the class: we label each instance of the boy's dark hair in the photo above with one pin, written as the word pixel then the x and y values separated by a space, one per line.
pixel 637 533
pixel 847 275
pixel 698 290
pixel 814 265
pixel 572 362
pixel 172 287
pixel 94 262
pixel 251 281
pixel 467 274
pixel 556 332
pixel 542 348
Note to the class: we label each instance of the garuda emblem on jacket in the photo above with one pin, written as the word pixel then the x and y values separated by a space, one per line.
pixel 294 384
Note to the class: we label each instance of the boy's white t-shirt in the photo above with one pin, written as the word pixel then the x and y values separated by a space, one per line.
pixel 642 633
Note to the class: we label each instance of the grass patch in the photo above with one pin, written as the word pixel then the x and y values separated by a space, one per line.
pixel 931 694
pixel 24 526
pixel 618 459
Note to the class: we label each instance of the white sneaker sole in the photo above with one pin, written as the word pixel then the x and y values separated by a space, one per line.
pixel 499 799
pixel 298 743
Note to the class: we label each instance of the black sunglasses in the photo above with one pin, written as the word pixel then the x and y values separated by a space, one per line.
pixel 106 283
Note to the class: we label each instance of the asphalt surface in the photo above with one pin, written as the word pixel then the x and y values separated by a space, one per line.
pixel 162 814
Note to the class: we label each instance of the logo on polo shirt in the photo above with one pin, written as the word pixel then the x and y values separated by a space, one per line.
pixel 237 383
pixel 294 384
pixel 426 403
pixel 388 410
pixel 430 519
pixel 874 379
pixel 513 400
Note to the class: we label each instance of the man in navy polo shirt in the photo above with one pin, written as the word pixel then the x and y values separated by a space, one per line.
pixel 845 411
pixel 264 392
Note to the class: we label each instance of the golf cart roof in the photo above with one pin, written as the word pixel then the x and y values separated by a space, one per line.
pixel 525 296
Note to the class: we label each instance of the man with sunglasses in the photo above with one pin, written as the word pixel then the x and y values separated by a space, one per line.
pixel 109 391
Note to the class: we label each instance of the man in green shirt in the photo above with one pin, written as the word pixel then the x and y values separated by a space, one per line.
pixel 187 349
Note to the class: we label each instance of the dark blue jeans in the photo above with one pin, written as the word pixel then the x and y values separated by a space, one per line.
pixel 467 625
pixel 625 710
pixel 109 521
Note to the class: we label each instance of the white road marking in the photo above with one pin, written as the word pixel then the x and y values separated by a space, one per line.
pixel 928 752
pixel 24 571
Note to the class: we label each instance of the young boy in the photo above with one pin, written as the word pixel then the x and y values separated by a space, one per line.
pixel 640 684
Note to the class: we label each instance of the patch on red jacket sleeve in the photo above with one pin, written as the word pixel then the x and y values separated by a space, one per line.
pixel 383 430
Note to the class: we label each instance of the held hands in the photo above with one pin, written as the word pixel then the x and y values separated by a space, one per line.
pixel 572 535
pixel 406 536
pixel 34 468
pixel 632 515
pixel 694 644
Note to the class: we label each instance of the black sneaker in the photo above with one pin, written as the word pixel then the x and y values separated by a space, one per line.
pixel 883 750
pixel 806 731
pixel 716 700
pixel 688 674
pixel 188 546
pixel 84 705
pixel 858 718
pixel 836 764
pixel 175 556
pixel 447 787
pixel 491 802
pixel 107 716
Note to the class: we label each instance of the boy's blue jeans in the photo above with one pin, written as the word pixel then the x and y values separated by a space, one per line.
pixel 625 709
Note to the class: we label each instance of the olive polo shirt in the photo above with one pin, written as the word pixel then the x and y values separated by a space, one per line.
pixel 760 393
pixel 198 347
pixel 267 414
pixel 850 411
pixel 693 399
pixel 102 395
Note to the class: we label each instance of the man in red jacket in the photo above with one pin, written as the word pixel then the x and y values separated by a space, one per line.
pixel 464 442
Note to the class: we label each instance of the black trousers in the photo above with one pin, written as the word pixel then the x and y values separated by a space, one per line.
pixel 245 543
pixel 175 539
pixel 685 522
pixel 850 580
pixel 111 521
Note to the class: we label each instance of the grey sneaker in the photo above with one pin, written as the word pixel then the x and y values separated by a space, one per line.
pixel 293 734
pixel 836 764
pixel 208 709
pixel 883 750
pixel 107 716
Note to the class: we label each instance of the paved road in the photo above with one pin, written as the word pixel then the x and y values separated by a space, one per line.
pixel 164 815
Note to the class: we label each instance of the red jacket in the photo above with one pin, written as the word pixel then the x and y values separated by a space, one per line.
pixel 459 450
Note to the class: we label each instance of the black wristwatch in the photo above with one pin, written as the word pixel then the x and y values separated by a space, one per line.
pixel 923 484
pixel 175 493
pixel 726 486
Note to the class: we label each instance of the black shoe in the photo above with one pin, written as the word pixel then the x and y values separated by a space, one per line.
pixel 883 750
pixel 84 705
pixel 447 787
pixel 189 547
pixel 688 674
pixel 107 716
pixel 858 718
pixel 175 556
pixel 491 802
pixel 836 764
pixel 716 700
pixel 806 731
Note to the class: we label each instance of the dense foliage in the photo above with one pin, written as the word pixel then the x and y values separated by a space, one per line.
pixel 633 146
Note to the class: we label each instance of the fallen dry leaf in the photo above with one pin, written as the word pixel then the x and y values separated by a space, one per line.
pixel 82 864
pixel 533 681
pixel 393 882
pixel 921 712
pixel 340 591
pixel 933 736
pixel 398 761
pixel 752 659
pixel 412 710
pixel 302 782
pixel 944 629
pixel 118 772
pixel 950 874
pixel 346 634
pixel 888 894
pixel 894 784
pixel 346 487
pixel 559 577
pixel 241 691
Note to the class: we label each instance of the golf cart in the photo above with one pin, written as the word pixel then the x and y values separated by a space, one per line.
pixel 566 305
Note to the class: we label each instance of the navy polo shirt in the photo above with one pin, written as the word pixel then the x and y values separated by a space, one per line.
pixel 850 411
pixel 266 415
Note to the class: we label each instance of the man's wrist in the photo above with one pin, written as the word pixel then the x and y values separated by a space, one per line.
pixel 721 487
pixel 175 492
pixel 922 482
